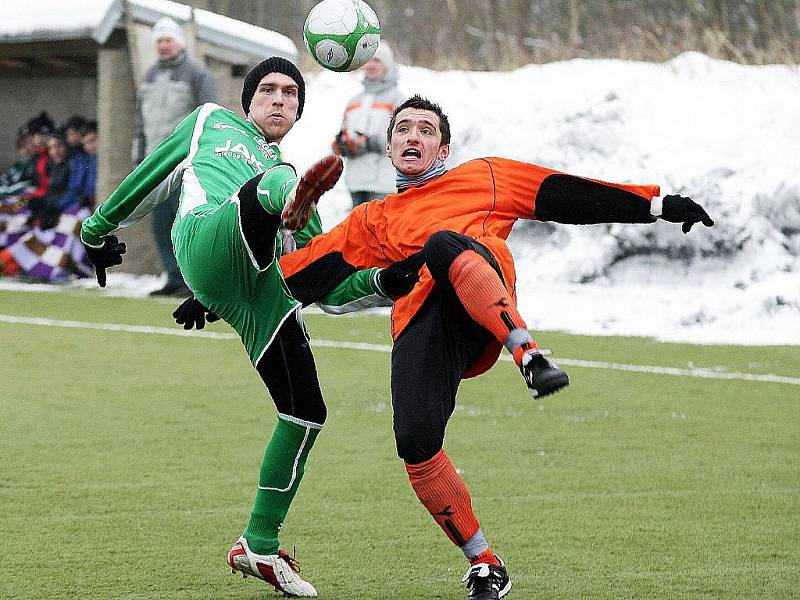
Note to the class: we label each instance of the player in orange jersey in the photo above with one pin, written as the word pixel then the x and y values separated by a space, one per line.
pixel 460 309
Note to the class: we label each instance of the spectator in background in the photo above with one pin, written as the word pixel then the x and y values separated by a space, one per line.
pixel 50 249
pixel 82 172
pixel 172 88
pixel 74 129
pixel 26 179
pixel 16 181
pixel 362 139
pixel 88 190
pixel 18 178
pixel 40 128
pixel 45 208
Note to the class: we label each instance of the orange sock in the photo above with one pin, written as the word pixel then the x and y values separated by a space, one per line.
pixel 8 266
pixel 487 556
pixel 488 302
pixel 520 350
pixel 442 491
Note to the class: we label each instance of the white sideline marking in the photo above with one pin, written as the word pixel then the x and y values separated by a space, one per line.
pixel 115 327
pixel 587 364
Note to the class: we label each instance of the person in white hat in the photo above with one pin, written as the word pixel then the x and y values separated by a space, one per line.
pixel 173 86
pixel 362 138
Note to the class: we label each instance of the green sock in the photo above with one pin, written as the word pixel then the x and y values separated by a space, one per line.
pixel 281 472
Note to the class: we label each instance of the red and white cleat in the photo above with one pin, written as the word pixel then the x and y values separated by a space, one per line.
pixel 279 570
pixel 319 178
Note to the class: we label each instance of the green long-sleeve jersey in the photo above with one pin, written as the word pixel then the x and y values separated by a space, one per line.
pixel 211 153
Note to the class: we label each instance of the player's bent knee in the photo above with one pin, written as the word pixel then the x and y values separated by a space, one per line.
pixel 313 411
pixel 413 449
pixel 441 249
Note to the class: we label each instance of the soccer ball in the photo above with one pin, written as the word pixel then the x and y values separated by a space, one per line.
pixel 342 35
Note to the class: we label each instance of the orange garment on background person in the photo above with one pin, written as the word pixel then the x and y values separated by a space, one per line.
pixel 482 198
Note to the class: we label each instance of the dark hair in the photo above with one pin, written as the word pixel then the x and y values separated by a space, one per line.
pixel 41 123
pixel 76 122
pixel 418 102
pixel 91 127
pixel 59 135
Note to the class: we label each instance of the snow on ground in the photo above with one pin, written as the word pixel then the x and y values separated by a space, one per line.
pixel 724 133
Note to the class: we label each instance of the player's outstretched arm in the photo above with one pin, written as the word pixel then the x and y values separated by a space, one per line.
pixel 357 290
pixel 107 255
pixel 399 278
pixel 146 186
pixel 573 200
pixel 681 209
pixel 569 199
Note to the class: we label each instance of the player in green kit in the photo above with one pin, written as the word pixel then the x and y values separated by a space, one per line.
pixel 240 207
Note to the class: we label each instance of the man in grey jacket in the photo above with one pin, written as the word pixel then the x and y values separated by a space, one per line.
pixel 362 139
pixel 172 88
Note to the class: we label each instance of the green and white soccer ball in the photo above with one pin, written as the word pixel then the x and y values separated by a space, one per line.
pixel 342 35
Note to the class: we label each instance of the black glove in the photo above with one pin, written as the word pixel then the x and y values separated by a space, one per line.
pixel 192 313
pixel 399 278
pixel 108 255
pixel 680 209
pixel 349 146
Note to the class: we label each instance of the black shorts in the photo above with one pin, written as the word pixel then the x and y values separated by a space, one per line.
pixel 432 354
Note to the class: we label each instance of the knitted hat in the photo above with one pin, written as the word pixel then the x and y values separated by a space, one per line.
pixel 41 123
pixel 166 27
pixel 274 64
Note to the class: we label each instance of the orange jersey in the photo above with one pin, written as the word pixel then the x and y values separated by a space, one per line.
pixel 483 199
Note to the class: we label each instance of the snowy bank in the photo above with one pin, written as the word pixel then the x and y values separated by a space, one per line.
pixel 726 134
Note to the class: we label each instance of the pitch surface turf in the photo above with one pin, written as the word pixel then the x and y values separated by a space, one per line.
pixel 128 465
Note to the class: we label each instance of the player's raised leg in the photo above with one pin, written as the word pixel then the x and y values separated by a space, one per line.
pixel 319 178
pixel 472 272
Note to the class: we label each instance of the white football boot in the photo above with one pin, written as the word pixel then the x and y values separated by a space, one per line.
pixel 279 570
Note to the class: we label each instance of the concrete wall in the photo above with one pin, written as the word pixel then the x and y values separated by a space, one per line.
pixel 105 90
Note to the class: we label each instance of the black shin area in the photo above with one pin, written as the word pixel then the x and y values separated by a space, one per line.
pixel 288 370
pixel 429 360
pixel 259 227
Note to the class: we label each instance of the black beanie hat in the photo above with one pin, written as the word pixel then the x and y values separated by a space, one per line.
pixel 41 123
pixel 274 64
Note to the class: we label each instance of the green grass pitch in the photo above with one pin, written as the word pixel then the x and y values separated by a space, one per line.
pixel 128 464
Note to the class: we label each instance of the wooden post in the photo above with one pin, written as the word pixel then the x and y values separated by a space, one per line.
pixel 134 54
pixel 193 48
pixel 116 108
